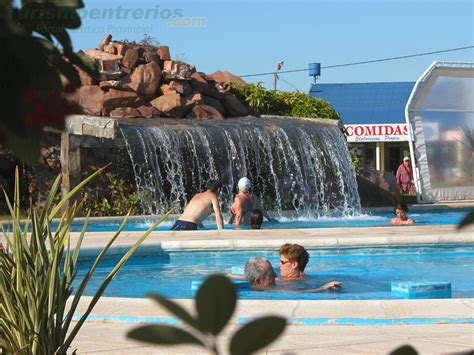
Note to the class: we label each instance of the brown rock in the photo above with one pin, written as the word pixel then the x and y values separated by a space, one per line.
pixel 377 188
pixel 111 84
pixel 223 77
pixel 168 65
pixel 121 48
pixel 233 107
pixel 165 88
pixel 110 48
pixel 177 70
pixel 116 98
pixel 181 87
pixel 86 79
pixel 198 79
pixel 196 98
pixel 210 101
pixel 107 62
pixel 105 41
pixel 164 52
pixel 125 112
pixel 172 104
pixel 130 59
pixel 90 97
pixel 205 112
pixel 148 111
pixel 145 79
pixel 151 57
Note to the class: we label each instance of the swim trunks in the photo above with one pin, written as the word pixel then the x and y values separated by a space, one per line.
pixel 184 226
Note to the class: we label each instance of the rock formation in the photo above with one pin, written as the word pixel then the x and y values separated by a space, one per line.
pixel 143 81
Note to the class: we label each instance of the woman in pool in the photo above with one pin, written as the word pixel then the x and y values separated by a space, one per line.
pixel 401 211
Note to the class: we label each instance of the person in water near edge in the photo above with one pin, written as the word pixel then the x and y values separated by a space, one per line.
pixel 256 219
pixel 401 211
pixel 244 203
pixel 200 207
pixel 261 276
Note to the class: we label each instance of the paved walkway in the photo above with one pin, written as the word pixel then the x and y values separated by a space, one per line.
pixel 110 338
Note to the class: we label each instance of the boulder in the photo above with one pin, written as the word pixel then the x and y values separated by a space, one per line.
pixel 110 48
pixel 210 101
pixel 145 79
pixel 224 77
pixel 165 88
pixel 205 112
pixel 198 80
pixel 89 99
pixel 233 107
pixel 105 42
pixel 130 59
pixel 180 87
pixel 377 188
pixel 164 52
pixel 112 84
pixel 125 112
pixel 148 111
pixel 177 70
pixel 116 98
pixel 107 62
pixel 172 104
pixel 86 79
pixel 121 47
pixel 151 57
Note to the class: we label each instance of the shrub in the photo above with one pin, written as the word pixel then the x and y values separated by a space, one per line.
pixel 282 103
pixel 37 270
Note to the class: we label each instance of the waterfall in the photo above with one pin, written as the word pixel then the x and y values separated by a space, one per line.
pixel 294 164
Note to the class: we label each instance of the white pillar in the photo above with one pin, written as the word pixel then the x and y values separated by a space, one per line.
pixel 380 156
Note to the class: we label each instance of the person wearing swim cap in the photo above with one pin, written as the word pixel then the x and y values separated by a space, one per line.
pixel 244 203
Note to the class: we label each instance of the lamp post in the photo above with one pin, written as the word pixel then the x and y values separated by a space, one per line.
pixel 279 65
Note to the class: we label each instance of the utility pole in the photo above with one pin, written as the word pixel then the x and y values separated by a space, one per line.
pixel 275 79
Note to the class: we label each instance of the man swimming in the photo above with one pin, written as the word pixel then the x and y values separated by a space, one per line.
pixel 261 276
pixel 200 207
pixel 244 203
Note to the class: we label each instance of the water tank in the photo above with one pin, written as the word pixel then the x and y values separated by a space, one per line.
pixel 314 69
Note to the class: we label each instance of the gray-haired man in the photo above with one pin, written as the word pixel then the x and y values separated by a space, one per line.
pixel 259 272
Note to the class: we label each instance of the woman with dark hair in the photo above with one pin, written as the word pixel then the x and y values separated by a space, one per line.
pixel 401 211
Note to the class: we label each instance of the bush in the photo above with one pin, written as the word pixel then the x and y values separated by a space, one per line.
pixel 282 103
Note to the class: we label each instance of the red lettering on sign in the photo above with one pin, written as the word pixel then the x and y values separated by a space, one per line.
pixel 359 131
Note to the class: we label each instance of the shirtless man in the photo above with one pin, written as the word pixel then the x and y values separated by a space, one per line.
pixel 244 203
pixel 200 207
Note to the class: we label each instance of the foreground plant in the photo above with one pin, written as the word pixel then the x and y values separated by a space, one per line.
pixel 37 270
pixel 215 303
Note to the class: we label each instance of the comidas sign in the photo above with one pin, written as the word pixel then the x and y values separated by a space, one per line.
pixel 376 132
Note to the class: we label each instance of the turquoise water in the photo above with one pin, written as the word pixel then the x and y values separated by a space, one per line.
pixel 366 273
pixel 427 217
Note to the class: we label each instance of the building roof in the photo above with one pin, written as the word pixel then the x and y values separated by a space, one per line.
pixel 366 103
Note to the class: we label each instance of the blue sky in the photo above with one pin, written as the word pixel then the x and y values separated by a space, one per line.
pixel 247 37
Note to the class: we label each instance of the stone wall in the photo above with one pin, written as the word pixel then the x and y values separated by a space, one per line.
pixel 143 81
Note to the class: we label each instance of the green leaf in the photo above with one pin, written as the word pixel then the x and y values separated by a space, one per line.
pixel 163 335
pixel 467 220
pixel 63 37
pixel 215 303
pixel 256 335
pixel 86 63
pixel 404 350
pixel 175 309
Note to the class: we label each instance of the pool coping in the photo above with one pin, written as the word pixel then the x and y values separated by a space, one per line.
pixel 297 312
pixel 159 241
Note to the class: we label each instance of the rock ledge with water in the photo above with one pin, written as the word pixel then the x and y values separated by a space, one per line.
pixel 143 81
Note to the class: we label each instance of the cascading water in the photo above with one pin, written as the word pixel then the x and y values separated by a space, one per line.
pixel 294 164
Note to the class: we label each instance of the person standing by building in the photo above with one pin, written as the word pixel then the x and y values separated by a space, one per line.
pixel 405 177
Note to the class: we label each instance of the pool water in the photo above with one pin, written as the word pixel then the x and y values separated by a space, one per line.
pixel 426 217
pixel 366 273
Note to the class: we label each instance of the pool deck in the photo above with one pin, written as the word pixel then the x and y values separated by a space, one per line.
pixel 433 326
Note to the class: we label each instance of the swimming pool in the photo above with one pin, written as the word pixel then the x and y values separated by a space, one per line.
pixel 366 273
pixel 376 219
